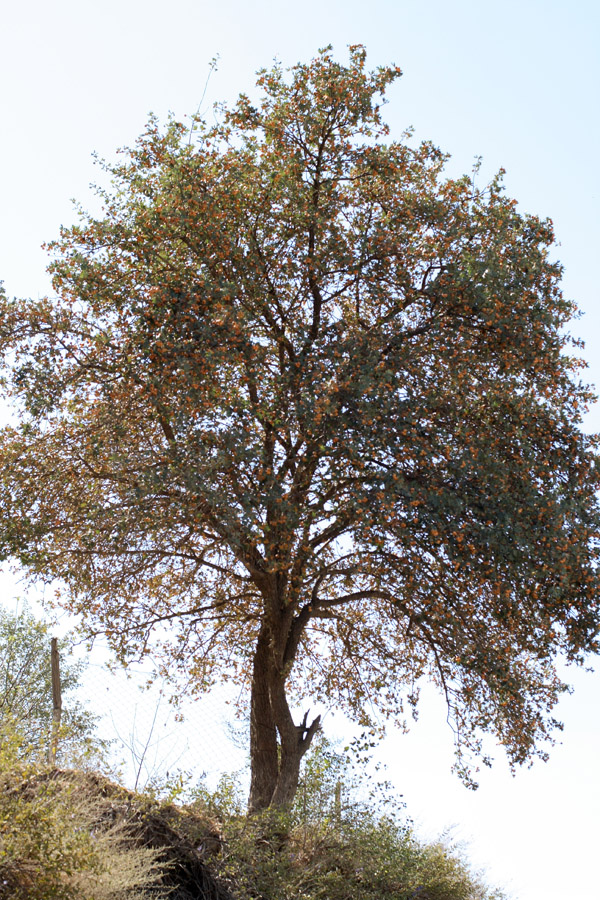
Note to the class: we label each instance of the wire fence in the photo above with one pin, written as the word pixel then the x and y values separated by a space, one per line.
pixel 151 739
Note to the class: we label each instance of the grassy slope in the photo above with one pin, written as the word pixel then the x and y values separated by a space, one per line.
pixel 66 835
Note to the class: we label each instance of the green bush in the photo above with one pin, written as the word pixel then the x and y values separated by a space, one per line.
pixel 370 858
pixel 76 836
pixel 26 692
pixel 334 844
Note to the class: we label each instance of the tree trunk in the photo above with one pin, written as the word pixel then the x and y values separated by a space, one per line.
pixel 277 745
pixel 288 778
pixel 263 733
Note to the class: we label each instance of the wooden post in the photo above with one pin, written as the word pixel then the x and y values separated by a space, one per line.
pixel 338 803
pixel 56 701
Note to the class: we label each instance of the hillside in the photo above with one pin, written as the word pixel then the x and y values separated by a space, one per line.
pixel 73 834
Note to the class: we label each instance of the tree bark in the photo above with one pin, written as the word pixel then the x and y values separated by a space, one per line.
pixel 263 732
pixel 277 745
pixel 288 778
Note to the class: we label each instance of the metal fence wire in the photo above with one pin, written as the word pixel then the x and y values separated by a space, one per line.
pixel 151 740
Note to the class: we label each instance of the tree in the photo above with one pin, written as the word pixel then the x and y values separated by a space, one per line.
pixel 303 414
pixel 26 687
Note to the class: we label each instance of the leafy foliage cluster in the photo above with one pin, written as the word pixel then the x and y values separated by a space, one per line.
pixel 26 691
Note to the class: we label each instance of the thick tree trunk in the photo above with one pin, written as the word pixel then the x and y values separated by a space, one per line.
pixel 277 745
pixel 288 778
pixel 263 732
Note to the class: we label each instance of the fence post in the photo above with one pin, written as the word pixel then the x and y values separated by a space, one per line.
pixel 56 701
pixel 338 802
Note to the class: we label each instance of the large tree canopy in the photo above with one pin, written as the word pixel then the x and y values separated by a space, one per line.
pixel 302 413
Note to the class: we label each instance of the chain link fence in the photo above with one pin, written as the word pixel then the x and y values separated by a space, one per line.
pixel 151 739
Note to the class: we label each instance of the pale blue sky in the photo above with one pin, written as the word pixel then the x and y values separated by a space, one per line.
pixel 515 82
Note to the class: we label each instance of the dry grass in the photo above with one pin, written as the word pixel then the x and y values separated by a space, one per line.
pixel 76 836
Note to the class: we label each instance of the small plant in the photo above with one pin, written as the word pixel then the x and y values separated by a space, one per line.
pixel 225 802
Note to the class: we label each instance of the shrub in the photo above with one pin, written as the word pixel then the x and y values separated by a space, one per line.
pixel 57 840
pixel 26 691
pixel 334 844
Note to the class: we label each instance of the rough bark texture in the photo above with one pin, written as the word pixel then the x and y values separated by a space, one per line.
pixel 277 744
pixel 263 733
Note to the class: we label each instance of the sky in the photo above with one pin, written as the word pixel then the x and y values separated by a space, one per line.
pixel 516 83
